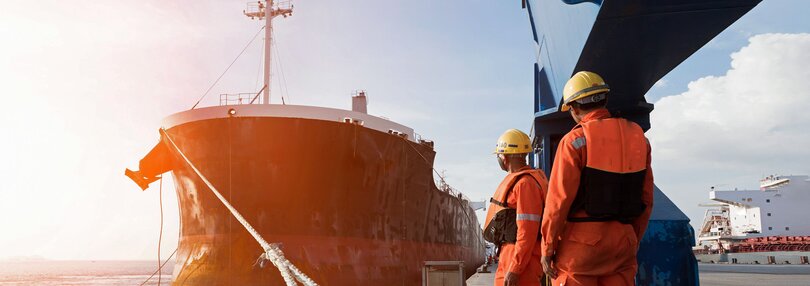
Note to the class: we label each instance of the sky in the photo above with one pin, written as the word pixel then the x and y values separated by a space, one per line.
pixel 87 83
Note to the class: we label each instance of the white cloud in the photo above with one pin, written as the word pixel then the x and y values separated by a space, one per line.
pixel 734 128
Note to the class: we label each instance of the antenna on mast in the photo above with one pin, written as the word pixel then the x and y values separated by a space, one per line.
pixel 267 10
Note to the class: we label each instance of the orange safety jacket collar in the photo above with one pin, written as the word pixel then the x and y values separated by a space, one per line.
pixel 601 113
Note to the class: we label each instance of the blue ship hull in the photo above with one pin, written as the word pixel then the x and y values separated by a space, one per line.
pixel 632 44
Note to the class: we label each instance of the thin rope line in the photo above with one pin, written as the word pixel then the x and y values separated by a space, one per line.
pixel 259 69
pixel 164 264
pixel 281 86
pixel 160 236
pixel 228 68
pixel 444 180
pixel 407 142
pixel 160 239
pixel 286 87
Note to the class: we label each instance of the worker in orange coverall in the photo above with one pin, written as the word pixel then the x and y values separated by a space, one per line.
pixel 515 212
pixel 600 195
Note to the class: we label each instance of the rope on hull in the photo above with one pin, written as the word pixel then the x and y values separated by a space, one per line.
pixel 288 271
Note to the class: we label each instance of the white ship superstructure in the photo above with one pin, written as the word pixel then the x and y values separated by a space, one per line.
pixel 779 208
pixel 765 221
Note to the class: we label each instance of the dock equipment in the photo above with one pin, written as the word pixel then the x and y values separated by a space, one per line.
pixel 443 273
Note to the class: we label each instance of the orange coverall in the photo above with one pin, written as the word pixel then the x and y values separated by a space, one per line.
pixel 523 257
pixel 590 253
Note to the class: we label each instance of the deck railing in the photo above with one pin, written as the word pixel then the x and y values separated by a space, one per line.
pixel 235 98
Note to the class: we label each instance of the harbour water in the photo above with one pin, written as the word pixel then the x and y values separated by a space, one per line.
pixel 47 272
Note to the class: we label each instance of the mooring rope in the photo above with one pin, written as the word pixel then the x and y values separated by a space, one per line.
pixel 159 268
pixel 160 239
pixel 288 271
pixel 160 236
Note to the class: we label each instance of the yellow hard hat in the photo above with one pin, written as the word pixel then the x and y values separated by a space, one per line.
pixel 582 85
pixel 513 141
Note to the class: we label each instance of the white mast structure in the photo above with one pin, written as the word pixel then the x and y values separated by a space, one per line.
pixel 267 11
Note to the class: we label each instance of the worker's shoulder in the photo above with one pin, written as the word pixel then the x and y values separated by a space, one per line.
pixel 628 121
pixel 529 187
pixel 574 138
pixel 528 180
pixel 635 126
pixel 575 133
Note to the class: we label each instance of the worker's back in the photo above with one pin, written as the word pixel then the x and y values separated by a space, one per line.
pixel 599 202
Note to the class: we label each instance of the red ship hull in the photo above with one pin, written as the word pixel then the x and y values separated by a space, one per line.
pixel 349 205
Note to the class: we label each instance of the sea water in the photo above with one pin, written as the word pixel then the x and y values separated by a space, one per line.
pixel 47 272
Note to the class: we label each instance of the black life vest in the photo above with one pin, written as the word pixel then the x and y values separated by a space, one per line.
pixel 612 181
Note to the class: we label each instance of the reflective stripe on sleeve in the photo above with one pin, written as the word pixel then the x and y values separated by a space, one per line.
pixel 531 217
pixel 578 143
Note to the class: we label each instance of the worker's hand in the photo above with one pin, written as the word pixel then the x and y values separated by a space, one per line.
pixel 511 279
pixel 548 268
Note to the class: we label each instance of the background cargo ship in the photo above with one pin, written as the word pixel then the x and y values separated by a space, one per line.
pixel 765 226
pixel 350 198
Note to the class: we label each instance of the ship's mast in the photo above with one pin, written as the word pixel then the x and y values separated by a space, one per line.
pixel 266 10
pixel 268 49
